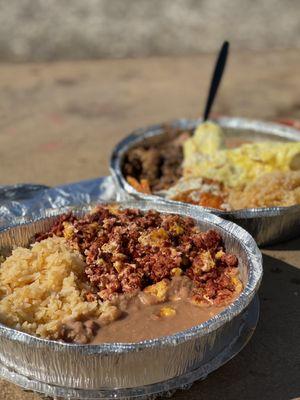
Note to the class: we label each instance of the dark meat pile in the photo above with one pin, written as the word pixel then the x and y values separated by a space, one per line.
pixel 158 164
pixel 128 249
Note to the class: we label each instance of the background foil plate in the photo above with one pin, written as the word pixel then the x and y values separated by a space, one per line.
pixel 267 225
pixel 111 368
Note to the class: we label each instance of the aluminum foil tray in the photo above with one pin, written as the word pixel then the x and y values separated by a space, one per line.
pixel 162 389
pixel 267 225
pixel 23 202
pixel 141 369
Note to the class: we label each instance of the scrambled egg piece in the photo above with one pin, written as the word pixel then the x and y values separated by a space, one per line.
pixel 167 312
pixel 207 139
pixel 237 283
pixel 159 290
pixel 205 155
pixel 69 230
pixel 154 238
pixel 176 272
pixel 203 263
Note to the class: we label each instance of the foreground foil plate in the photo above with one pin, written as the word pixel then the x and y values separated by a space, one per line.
pixel 165 388
pixel 267 225
pixel 119 370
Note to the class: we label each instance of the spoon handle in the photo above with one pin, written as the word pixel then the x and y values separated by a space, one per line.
pixel 216 79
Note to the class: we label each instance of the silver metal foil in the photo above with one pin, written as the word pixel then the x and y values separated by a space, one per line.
pixel 166 388
pixel 28 201
pixel 267 225
pixel 117 370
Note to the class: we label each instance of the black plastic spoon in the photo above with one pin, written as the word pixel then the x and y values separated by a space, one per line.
pixel 216 79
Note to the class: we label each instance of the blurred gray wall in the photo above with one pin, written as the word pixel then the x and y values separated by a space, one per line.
pixel 35 30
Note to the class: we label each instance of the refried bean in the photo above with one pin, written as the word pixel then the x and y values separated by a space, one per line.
pixel 145 316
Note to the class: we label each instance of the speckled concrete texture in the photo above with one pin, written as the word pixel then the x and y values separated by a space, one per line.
pixel 64 29
pixel 60 121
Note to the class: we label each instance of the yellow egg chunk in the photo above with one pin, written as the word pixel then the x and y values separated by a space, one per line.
pixel 167 312
pixel 205 156
pixel 159 290
pixel 207 139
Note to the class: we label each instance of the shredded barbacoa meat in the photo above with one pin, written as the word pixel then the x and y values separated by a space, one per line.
pixel 128 250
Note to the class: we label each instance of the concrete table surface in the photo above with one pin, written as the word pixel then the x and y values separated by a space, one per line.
pixel 60 121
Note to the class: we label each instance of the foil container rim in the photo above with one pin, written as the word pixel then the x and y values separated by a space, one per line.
pixel 162 387
pixel 228 122
pixel 254 258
